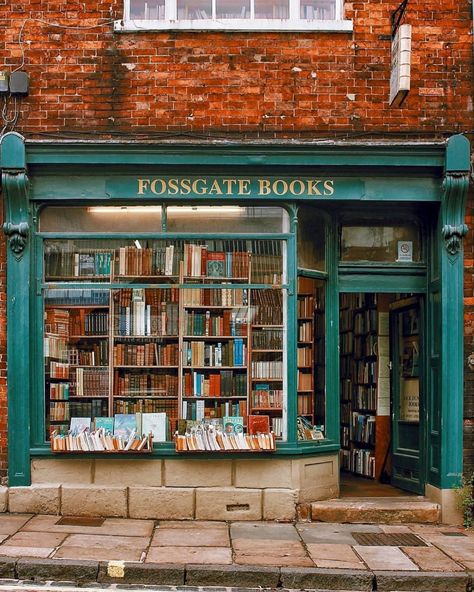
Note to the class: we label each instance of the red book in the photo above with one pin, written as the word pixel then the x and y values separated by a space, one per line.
pixel 258 424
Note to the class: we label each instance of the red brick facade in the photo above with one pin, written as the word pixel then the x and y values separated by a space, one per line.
pixel 94 83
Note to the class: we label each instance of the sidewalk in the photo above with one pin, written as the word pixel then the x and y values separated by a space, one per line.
pixel 243 554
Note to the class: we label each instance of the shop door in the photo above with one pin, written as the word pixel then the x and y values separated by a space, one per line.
pixel 407 394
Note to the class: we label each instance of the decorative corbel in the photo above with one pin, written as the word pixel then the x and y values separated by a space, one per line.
pixel 17 235
pixel 453 228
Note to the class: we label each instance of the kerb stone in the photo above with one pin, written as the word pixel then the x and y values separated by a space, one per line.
pixel 161 503
pixel 422 581
pixel 327 579
pixel 232 576
pixel 38 499
pixel 57 570
pixel 7 567
pixel 143 573
pixel 94 501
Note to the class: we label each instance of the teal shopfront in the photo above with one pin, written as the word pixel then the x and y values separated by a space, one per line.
pixel 311 291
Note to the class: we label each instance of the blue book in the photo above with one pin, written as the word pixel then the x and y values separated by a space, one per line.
pixel 125 424
pixel 233 425
pixel 105 422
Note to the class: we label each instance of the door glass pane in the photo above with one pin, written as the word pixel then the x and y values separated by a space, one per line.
pixel 375 242
pixel 311 239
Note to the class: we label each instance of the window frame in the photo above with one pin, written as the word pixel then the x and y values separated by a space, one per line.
pixel 292 23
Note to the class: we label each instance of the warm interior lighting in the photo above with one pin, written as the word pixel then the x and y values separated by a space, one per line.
pixel 226 210
pixel 124 209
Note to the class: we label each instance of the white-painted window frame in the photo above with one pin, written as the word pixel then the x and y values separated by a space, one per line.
pixel 293 23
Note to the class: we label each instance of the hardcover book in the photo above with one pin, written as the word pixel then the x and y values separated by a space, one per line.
pixel 105 422
pixel 125 424
pixel 259 424
pixel 233 425
pixel 156 424
pixel 216 264
pixel 79 424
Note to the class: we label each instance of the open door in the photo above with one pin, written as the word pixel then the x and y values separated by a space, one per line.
pixel 407 394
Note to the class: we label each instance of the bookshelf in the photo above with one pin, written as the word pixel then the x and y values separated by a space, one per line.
pixel 305 351
pixel 358 383
pixel 191 340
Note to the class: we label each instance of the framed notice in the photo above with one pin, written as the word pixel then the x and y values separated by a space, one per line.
pixel 410 400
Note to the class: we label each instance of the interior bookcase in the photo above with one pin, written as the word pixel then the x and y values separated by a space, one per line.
pixel 185 333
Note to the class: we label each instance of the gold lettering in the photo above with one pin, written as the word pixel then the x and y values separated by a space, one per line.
pixel 313 187
pixel 154 189
pixel 264 187
pixel 284 187
pixel 293 184
pixel 196 184
pixel 244 187
pixel 329 187
pixel 229 183
pixel 185 186
pixel 143 185
pixel 215 188
pixel 173 186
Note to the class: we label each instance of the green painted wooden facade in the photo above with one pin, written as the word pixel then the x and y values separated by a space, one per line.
pixel 432 177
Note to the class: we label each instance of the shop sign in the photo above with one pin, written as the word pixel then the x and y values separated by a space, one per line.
pixel 178 186
pixel 400 66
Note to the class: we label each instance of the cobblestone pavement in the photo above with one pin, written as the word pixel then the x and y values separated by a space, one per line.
pixel 245 554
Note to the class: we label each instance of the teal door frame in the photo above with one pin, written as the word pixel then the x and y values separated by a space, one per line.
pixel 437 173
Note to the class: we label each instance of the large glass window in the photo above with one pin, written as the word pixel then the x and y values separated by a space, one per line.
pixel 186 331
pixel 233 14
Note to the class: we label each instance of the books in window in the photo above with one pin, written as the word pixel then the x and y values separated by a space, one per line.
pixel 100 441
pixel 209 438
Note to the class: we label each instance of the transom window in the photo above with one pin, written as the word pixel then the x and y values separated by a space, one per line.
pixel 233 14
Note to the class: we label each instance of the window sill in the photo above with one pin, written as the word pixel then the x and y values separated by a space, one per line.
pixel 144 26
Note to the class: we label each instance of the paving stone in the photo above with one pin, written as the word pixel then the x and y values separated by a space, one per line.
pixel 336 533
pixel 327 579
pixel 385 558
pixel 13 551
pixel 10 523
pixel 421 582
pixel 269 547
pixel 35 539
pixel 54 569
pixel 145 574
pixel 110 553
pixel 395 529
pixel 259 530
pixel 190 537
pixel 184 555
pixel 273 560
pixel 334 556
pixel 431 559
pixel 198 524
pixel 111 526
pixel 232 576
pixel 460 549
pixel 98 541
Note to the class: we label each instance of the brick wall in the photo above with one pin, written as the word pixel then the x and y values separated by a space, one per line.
pixel 92 82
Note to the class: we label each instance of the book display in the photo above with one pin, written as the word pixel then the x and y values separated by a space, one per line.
pixel 193 341
pixel 358 387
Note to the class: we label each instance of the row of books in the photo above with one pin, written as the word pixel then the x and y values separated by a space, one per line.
pixel 160 261
pixel 56 322
pixel 145 384
pixel 304 356
pixel 59 390
pixel 225 383
pixel 74 296
pixel 267 306
pixel 142 319
pixel 305 331
pixel 128 407
pixel 267 368
pixel 214 440
pixel 365 321
pixel 359 461
pixel 306 306
pixel 91 382
pixel 199 353
pixel 201 409
pixel 363 428
pixel 304 404
pixel 55 347
pixel 200 261
pixel 364 397
pixel 91 263
pixel 358 300
pixel 266 338
pixel 365 371
pixel 62 411
pixel 146 354
pixel 100 441
pixel 58 369
pixel 215 296
pixel 365 345
pixel 266 398
pixel 304 380
pixel 225 323
pixel 95 322
pixel 89 354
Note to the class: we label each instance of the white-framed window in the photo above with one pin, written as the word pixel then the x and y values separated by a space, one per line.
pixel 271 15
